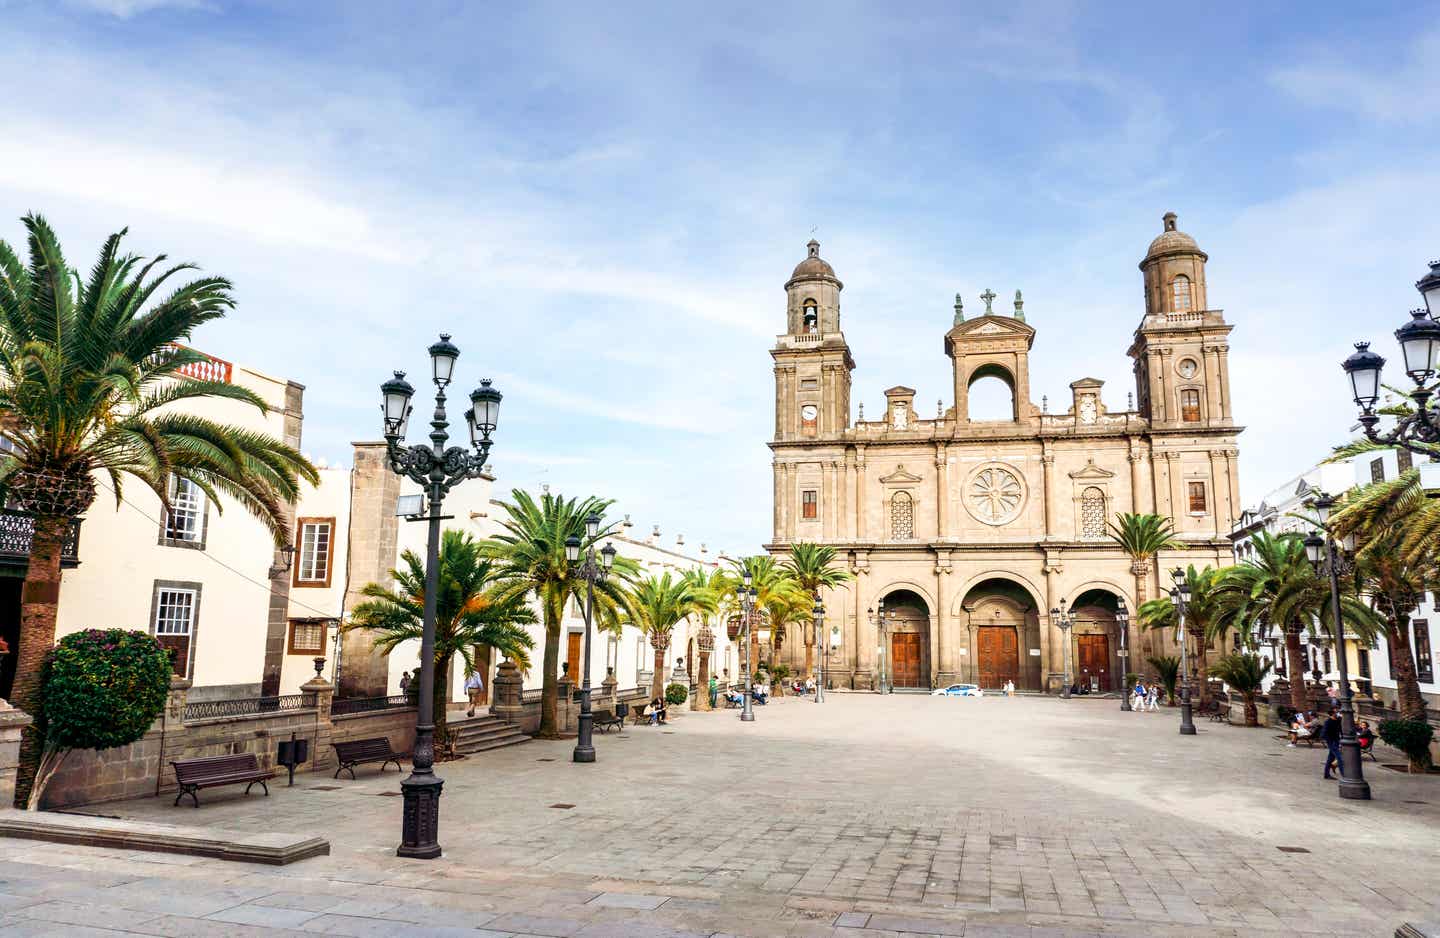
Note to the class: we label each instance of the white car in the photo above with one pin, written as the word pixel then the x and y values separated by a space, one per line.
pixel 958 690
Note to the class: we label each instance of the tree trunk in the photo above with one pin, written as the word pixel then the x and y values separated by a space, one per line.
pixel 1295 655
pixel 39 602
pixel 1402 669
pixel 1252 712
pixel 702 692
pixel 1141 570
pixel 482 655
pixel 1202 663
pixel 657 680
pixel 442 703
pixel 551 691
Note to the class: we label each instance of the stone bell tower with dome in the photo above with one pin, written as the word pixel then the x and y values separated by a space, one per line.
pixel 966 529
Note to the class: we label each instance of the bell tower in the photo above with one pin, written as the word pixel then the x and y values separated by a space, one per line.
pixel 1181 350
pixel 812 359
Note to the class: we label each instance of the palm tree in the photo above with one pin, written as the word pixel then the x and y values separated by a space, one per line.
pixel 1142 537
pixel 1168 669
pixel 657 604
pixel 813 567
pixel 1390 570
pixel 778 595
pixel 470 612
pixel 711 588
pixel 90 371
pixel 1277 586
pixel 1203 622
pixel 531 553
pixel 1244 673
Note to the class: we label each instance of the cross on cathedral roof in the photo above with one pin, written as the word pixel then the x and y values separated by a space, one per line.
pixel 989 297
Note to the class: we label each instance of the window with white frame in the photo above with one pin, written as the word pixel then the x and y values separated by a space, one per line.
pixel 313 555
pixel 185 521
pixel 174 623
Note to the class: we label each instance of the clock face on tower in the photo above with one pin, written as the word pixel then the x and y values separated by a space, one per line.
pixel 1187 368
pixel 808 413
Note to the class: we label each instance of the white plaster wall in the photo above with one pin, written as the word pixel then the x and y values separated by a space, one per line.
pixel 330 499
pixel 120 560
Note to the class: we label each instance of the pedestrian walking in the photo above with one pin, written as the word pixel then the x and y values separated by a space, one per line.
pixel 475 689
pixel 404 683
pixel 1330 732
pixel 1152 696
pixel 714 691
pixel 1137 702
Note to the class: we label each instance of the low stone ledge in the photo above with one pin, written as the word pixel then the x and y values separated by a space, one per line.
pixel 277 849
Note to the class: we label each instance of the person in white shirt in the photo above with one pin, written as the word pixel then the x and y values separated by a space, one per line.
pixel 475 689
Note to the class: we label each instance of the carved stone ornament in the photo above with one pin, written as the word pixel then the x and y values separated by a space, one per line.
pixel 994 495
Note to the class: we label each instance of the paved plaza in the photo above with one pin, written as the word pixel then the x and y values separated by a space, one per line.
pixel 864 816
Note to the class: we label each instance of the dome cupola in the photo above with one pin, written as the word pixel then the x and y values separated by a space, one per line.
pixel 1174 269
pixel 813 293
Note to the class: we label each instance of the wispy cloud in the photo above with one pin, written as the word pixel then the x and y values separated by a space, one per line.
pixel 124 9
pixel 1381 89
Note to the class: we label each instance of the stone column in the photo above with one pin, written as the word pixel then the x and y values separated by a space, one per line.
pixel 607 689
pixel 565 704
pixel 860 493
pixel 942 492
pixel 1134 457
pixel 940 664
pixel 374 530
pixel 858 627
pixel 1219 493
pixel 1047 457
pixel 320 694
pixel 506 699
pixel 1052 652
pixel 277 621
pixel 12 723
pixel 1175 470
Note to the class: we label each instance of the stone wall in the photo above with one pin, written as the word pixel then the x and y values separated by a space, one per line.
pixel 143 767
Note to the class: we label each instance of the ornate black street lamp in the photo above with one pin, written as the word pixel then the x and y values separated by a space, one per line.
pixel 437 469
pixel 1420 347
pixel 591 572
pixel 1122 619
pixel 748 593
pixel 818 613
pixel 1329 558
pixel 1060 615
pixel 1180 596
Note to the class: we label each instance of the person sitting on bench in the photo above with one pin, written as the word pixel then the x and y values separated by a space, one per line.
pixel 657 712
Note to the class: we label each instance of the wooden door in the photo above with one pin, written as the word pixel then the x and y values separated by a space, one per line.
pixel 1093 654
pixel 572 656
pixel 998 656
pixel 905 660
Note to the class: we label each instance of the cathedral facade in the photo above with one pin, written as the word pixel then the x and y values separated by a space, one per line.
pixel 962 534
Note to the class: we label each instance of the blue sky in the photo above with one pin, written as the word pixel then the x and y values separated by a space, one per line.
pixel 603 202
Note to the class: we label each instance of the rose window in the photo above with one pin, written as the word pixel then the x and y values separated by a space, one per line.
pixel 995 495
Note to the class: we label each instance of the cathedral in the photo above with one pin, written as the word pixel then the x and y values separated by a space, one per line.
pixel 964 533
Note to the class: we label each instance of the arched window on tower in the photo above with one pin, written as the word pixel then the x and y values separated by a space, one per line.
pixel 902 516
pixel 1092 513
pixel 1180 294
pixel 812 317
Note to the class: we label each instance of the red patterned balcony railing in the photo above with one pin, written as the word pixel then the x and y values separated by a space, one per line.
pixel 211 369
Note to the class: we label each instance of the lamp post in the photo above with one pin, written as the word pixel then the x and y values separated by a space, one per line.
pixel 437 469
pixel 1329 557
pixel 1122 619
pixel 1060 615
pixel 747 603
pixel 1180 596
pixel 591 572
pixel 1420 348
pixel 818 613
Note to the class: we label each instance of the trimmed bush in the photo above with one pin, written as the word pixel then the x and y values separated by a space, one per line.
pixel 676 694
pixel 99 689
pixel 1411 737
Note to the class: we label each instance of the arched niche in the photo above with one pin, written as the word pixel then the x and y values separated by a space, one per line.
pixel 990 394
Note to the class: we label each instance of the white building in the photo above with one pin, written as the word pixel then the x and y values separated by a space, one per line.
pixel 1277 514
pixel 205 578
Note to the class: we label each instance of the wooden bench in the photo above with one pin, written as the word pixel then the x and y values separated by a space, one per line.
pixel 191 775
pixel 603 720
pixel 360 751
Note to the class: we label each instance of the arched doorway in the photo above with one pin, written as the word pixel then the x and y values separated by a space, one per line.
pixel 1096 638
pixel 905 639
pixel 1003 627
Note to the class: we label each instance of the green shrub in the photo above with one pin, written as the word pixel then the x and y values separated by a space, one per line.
pixel 99 689
pixel 676 694
pixel 1411 737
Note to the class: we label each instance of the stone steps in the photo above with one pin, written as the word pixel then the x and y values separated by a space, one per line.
pixel 481 733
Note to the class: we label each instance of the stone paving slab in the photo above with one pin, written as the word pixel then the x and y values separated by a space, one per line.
pixel 863 816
